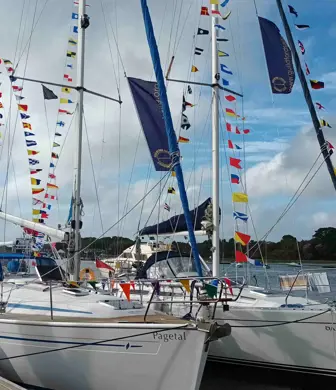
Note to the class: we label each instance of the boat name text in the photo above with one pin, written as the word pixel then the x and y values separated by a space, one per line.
pixel 169 336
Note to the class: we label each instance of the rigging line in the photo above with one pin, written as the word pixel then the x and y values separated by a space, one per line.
pixel 292 201
pixel 177 25
pixel 110 47
pixel 10 147
pixel 25 355
pixel 32 31
pixel 17 190
pixel 282 323
pixel 170 38
pixel 19 33
pixel 119 167
pixel 93 172
pixel 149 171
pixel 48 127
pixel 183 27
pixel 100 165
pixel 65 261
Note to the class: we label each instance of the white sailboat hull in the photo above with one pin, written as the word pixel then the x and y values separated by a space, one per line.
pixel 260 338
pixel 174 358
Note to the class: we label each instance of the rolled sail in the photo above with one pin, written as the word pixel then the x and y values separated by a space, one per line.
pixel 178 224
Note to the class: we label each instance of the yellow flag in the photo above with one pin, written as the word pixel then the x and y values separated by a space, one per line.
pixel 222 54
pixel 214 1
pixel 66 90
pixel 194 69
pixel 239 197
pixel 185 284
pixel 36 220
pixel 173 173
pixel 36 212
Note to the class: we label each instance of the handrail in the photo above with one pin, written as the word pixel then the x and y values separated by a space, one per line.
pixel 292 286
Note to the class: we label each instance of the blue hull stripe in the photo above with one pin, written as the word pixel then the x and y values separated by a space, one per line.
pixel 45 308
pixel 127 345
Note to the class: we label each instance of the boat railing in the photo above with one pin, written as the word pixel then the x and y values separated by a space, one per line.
pixel 201 298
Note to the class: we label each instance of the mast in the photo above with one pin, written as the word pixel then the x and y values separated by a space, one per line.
pixel 83 23
pixel 215 149
pixel 172 140
pixel 306 92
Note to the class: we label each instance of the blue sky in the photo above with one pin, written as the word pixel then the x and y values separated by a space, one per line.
pixel 279 151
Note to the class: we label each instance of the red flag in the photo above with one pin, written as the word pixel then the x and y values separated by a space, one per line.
pixel 241 257
pixel 230 144
pixel 101 265
pixel 126 287
pixel 132 283
pixel 52 176
pixel 230 112
pixel 246 131
pixel 230 98
pixel 229 284
pixel 228 127
pixel 235 162
pixel 205 11
pixel 330 145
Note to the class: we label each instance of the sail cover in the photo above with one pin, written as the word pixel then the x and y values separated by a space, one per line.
pixel 147 102
pixel 177 223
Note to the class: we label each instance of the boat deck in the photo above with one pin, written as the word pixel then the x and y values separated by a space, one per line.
pixel 7 385
pixel 134 319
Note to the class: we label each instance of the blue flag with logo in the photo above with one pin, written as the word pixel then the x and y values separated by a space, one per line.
pixel 278 58
pixel 147 102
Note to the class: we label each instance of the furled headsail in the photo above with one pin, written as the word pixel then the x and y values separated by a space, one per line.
pixel 201 217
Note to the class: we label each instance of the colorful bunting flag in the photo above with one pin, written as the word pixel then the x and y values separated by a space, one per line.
pixel 48 94
pixel 66 90
pixel 189 90
pixel 19 98
pixel 35 182
pixel 242 238
pixel 235 179
pixel 230 112
pixel 56 145
pixel 194 69
pixel 233 146
pixel 292 10
pixel 75 29
pixel 33 162
pixel 36 201
pixel 230 98
pixel 27 125
pixel 171 190
pixel 302 26
pixel 52 186
pixel 246 131
pixel 198 51
pixel 52 176
pixel 64 112
pixel 225 82
pixel 23 107
pixel 65 101
pixel 34 171
pixel 32 152
pixel 30 142
pixel 72 42
pixel 241 216
pixel 48 196
pixel 54 155
pixel 71 54
pixel 185 283
pixel 324 123
pixel 60 123
pixel 185 122
pixel 219 27
pixel 74 16
pixel 166 207
pixel 224 3
pixel 24 116
pixel 126 287
pixel 235 162
pixel 183 140
pixel 37 190
pixel 204 11
pixel 16 88
pixel 229 128
pixel 225 17
pixel 210 289
pixel 303 50
pixel 221 39
pixel 307 69
pixel 222 54
pixel 28 134
pixel 315 84
pixel 201 31
pixel 215 13
pixel 225 69
pixel 319 106
pixel 239 197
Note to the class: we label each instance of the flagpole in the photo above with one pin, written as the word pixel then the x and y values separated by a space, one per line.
pixel 307 95
pixel 215 149
pixel 82 25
